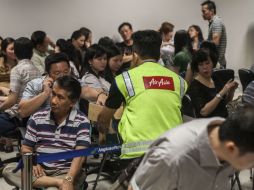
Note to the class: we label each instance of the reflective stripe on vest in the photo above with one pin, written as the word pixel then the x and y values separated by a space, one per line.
pixel 128 84
pixel 182 85
pixel 141 146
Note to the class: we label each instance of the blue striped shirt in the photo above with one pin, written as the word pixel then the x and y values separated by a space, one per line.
pixel 45 136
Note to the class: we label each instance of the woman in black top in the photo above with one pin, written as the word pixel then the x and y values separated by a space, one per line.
pixel 208 97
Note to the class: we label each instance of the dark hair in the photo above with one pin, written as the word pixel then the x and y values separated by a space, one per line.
pixel 4 45
pixel 71 85
pixel 85 31
pixel 55 58
pixel 181 40
pixel 166 27
pixel 111 51
pixel 108 45
pixel 238 128
pixel 200 34
pixel 23 48
pixel 94 51
pixel 1 38
pixel 199 56
pixel 124 24
pixel 106 42
pixel 147 44
pixel 210 5
pixel 68 48
pixel 38 37
pixel 212 49
pixel 76 35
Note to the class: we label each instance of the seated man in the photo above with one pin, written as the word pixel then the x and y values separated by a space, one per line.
pixel 59 128
pixel 126 46
pixel 152 95
pixel 21 74
pixel 201 154
pixel 38 91
pixel 41 42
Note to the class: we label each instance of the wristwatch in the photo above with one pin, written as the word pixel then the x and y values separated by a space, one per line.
pixel 68 178
pixel 219 96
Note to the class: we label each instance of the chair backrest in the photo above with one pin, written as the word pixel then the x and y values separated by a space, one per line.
pixel 187 107
pixel 223 75
pixel 245 76
pixel 93 112
pixel 95 109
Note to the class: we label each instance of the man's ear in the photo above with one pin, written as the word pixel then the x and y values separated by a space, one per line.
pixel 73 103
pixel 231 147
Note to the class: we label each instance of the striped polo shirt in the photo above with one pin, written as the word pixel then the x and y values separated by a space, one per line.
pixel 216 26
pixel 45 136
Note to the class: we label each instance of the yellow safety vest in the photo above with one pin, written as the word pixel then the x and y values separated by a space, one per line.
pixel 153 101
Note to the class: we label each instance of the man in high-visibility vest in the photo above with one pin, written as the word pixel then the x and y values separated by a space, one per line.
pixel 151 95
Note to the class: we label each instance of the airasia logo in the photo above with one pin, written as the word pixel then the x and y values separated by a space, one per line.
pixel 159 82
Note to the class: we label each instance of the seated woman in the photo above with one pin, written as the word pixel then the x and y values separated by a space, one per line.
pixel 208 97
pixel 209 46
pixel 183 52
pixel 93 67
pixel 167 45
pixel 114 59
pixel 88 38
pixel 7 58
pixel 196 36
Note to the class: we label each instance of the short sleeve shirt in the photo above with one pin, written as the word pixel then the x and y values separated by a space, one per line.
pixel 21 74
pixel 97 82
pixel 45 136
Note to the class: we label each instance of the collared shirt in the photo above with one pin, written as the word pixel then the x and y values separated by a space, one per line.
pixel 46 136
pixel 38 60
pixel 21 74
pixel 216 26
pixel 183 159
pixel 34 88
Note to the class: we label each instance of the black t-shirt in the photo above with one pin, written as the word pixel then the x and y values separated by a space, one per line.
pixel 115 98
pixel 125 49
pixel 200 95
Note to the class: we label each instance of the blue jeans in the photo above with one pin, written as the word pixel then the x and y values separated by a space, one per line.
pixel 7 124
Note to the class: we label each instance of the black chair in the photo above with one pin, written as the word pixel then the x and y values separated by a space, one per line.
pixel 222 76
pixel 246 76
pixel 187 107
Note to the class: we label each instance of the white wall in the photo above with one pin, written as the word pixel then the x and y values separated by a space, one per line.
pixel 239 20
pixel 59 18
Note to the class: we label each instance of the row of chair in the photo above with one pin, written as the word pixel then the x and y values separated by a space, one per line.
pixel 224 75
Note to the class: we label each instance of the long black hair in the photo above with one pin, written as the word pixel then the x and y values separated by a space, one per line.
pixel 94 51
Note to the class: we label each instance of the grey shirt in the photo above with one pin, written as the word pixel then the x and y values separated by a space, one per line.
pixel 21 74
pixel 34 88
pixel 216 26
pixel 182 159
